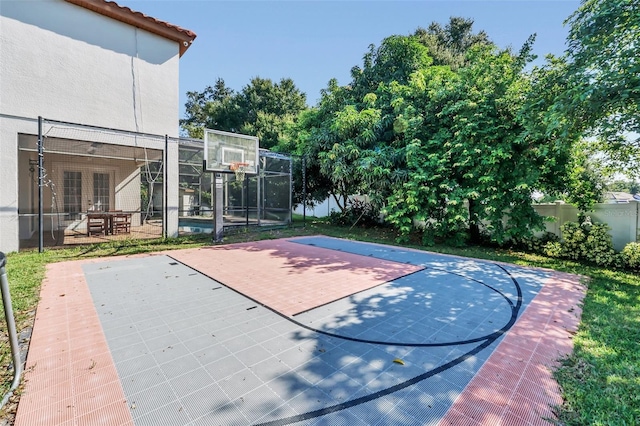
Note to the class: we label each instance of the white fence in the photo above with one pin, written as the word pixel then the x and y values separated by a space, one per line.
pixel 322 209
pixel 326 207
pixel 623 219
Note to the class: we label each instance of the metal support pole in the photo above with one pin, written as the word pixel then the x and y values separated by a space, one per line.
pixel 11 328
pixel 291 191
pixel 218 220
pixel 40 186
pixel 165 185
pixel 245 189
pixel 199 194
pixel 259 193
pixel 304 192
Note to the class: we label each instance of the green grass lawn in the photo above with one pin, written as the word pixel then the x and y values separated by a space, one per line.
pixel 600 380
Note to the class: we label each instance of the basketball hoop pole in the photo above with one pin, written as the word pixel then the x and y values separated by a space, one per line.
pixel 218 222
pixel 226 152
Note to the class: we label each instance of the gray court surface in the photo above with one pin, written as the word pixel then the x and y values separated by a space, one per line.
pixel 190 351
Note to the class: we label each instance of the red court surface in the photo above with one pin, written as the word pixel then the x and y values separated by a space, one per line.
pixel 312 276
pixel 70 378
pixel 516 386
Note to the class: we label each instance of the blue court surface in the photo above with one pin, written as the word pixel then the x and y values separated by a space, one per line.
pixel 191 351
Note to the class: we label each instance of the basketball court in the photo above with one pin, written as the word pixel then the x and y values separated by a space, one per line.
pixel 313 331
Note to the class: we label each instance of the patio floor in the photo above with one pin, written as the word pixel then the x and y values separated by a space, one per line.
pixel 74 238
pixel 310 330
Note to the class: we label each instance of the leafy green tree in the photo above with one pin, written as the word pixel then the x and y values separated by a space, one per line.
pixel 331 139
pixel 472 153
pixel 210 108
pixel 605 72
pixel 267 108
pixel 451 147
pixel 449 45
pixel 358 142
pixel 629 186
pixel 351 134
pixel 295 142
pixel 263 109
pixel 585 180
pixel 395 59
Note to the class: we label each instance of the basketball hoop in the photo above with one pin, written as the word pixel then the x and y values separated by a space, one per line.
pixel 239 169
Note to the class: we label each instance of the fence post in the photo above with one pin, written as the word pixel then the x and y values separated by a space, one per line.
pixel 637 222
pixel 633 224
pixel 11 329
pixel 40 190
pixel 560 217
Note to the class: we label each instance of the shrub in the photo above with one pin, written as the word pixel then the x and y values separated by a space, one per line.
pixel 588 241
pixel 536 244
pixel 574 237
pixel 631 256
pixel 585 241
pixel 553 249
pixel 357 213
pixel 598 248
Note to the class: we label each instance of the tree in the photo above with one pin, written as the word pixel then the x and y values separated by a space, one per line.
pixel 263 109
pixel 629 186
pixel 350 139
pixel 473 153
pixel 604 67
pixel 296 143
pixel 445 148
pixel 208 108
pixel 585 181
pixel 350 136
pixel 356 141
pixel 395 59
pixel 331 139
pixel 449 45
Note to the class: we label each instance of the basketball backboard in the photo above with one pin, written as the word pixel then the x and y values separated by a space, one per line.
pixel 223 149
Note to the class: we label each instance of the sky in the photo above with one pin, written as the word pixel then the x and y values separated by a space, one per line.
pixel 312 42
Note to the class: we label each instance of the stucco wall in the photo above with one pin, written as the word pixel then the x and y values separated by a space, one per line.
pixel 64 62
pixel 67 63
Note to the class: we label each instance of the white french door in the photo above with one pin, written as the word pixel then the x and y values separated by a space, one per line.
pixel 101 191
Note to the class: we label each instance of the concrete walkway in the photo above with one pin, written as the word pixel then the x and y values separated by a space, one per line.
pixel 309 330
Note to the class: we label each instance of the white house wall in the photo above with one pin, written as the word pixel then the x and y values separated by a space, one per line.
pixel 63 62
pixel 9 226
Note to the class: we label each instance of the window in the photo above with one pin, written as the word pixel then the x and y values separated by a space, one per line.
pixel 72 187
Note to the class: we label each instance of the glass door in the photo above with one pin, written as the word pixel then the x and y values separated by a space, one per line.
pixel 72 186
pixel 101 191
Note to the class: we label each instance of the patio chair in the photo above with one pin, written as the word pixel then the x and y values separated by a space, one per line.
pixel 96 225
pixel 121 223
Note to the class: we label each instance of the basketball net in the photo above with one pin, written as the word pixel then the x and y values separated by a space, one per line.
pixel 239 169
